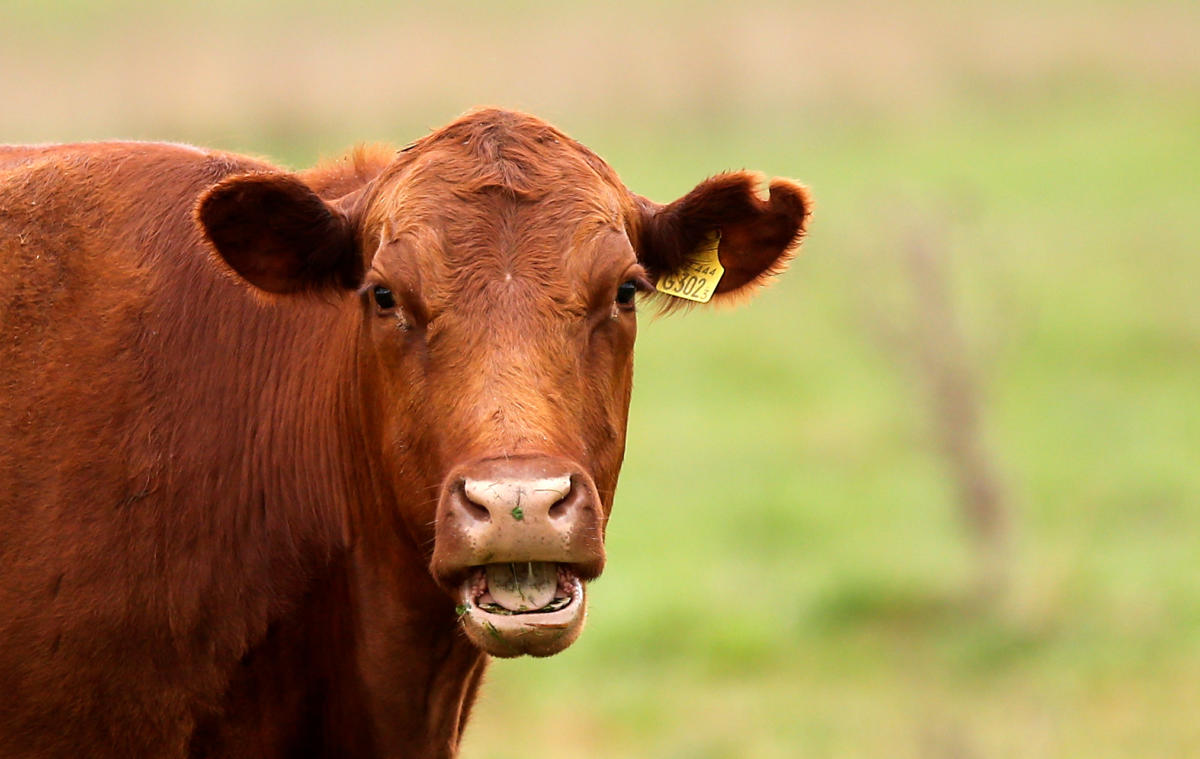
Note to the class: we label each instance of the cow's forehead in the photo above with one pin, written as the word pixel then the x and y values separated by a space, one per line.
pixel 498 198
pixel 487 155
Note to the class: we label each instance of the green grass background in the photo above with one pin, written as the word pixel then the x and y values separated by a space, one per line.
pixel 788 571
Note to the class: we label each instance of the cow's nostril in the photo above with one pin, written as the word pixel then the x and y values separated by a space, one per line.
pixel 478 511
pixel 560 507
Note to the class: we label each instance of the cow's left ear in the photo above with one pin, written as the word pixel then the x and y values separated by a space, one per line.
pixel 757 235
pixel 274 231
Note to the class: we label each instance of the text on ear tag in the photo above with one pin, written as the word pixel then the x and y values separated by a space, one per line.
pixel 697 279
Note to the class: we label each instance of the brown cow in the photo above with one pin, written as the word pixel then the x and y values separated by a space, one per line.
pixel 284 499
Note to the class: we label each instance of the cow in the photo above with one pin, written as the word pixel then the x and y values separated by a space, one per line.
pixel 286 457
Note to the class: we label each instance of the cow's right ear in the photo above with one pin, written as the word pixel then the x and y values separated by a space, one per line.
pixel 274 231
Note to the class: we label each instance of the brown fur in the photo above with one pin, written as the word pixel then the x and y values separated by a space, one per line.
pixel 219 505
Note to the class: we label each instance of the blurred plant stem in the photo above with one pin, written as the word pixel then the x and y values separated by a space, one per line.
pixel 925 337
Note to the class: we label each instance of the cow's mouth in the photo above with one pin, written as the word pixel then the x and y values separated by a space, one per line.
pixel 516 608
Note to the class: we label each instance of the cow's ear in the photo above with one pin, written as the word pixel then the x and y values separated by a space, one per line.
pixel 757 234
pixel 273 230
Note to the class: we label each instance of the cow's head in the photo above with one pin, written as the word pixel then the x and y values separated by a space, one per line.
pixel 495 267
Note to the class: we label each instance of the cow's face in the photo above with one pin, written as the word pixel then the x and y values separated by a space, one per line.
pixel 495 269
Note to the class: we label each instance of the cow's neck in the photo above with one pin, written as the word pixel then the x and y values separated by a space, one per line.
pixel 366 657
pixel 417 672
pixel 410 673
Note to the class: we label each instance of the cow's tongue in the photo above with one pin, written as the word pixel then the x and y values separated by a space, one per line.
pixel 522 586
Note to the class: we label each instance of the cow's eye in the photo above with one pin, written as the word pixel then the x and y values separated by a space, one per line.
pixel 384 298
pixel 626 291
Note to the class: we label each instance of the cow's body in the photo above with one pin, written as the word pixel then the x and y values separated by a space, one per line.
pixel 214 538
pixel 177 457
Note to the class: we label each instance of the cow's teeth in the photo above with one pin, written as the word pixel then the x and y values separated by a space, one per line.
pixel 522 586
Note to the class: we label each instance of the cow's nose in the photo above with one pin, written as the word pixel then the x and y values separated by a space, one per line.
pixel 518 499
pixel 515 509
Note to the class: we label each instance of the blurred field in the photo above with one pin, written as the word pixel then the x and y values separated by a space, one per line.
pixel 788 572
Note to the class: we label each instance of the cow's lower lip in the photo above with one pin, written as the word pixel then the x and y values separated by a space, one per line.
pixel 504 632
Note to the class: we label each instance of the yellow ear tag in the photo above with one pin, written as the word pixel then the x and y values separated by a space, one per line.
pixel 697 279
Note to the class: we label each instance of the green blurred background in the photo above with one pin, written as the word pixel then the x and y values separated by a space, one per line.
pixel 998 299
